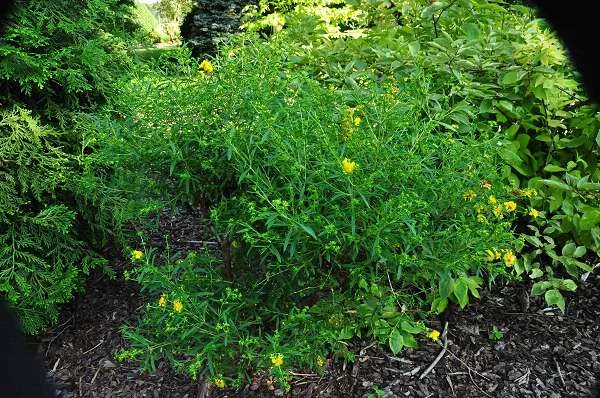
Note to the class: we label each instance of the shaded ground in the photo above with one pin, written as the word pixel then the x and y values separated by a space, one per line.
pixel 542 354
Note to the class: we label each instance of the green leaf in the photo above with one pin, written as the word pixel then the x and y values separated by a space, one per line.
pixel 461 292
pixel 552 168
pixel 413 48
pixel 410 327
pixel 439 304
pixel 471 31
pixel 396 341
pixel 512 77
pixel 308 230
pixel 540 287
pixel 589 219
pixel 409 341
pixel 536 273
pixel 557 185
pixel 568 284
pixel 580 251
pixel 445 285
pixel 569 249
pixel 554 297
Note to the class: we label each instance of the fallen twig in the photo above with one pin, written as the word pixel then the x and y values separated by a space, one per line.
pixel 562 380
pixel 96 374
pixel 440 355
pixel 449 380
pixel 94 347
pixel 477 387
pixel 55 365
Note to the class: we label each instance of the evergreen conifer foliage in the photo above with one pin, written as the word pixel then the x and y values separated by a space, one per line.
pixel 41 260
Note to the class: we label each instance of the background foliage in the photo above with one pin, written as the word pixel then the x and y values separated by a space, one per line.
pixel 57 60
pixel 381 159
pixel 365 164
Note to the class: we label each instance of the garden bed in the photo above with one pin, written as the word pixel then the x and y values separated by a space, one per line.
pixel 542 353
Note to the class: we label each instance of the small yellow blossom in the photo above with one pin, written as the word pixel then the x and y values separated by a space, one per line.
pixel 177 306
pixel 498 210
pixel 491 255
pixel 348 166
pixel 433 334
pixel 357 121
pixel 162 301
pixel 219 382
pixel 277 359
pixel 481 218
pixel 509 258
pixel 486 185
pixel 510 206
pixel 207 67
pixel 479 209
pixel 534 213
pixel 469 195
pixel 492 200
pixel 137 255
pixel 320 361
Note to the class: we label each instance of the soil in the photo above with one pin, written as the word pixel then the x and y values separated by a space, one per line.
pixel 542 353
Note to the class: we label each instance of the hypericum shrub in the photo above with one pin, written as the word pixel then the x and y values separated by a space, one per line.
pixel 41 260
pixel 356 213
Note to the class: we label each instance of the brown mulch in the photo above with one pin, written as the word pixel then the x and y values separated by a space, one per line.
pixel 543 353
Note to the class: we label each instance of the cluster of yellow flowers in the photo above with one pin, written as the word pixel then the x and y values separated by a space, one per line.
pixel 507 256
pixel 219 382
pixel 320 361
pixel 177 304
pixel 433 334
pixel 137 255
pixel 349 123
pixel 348 166
pixel 470 195
pixel 207 67
pixel 277 359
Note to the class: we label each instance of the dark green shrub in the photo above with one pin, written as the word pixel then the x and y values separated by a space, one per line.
pixel 42 262
pixel 60 56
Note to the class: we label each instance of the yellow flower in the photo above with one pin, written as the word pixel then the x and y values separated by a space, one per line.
pixel 481 218
pixel 357 121
pixel 162 301
pixel 137 255
pixel 498 210
pixel 469 195
pixel 509 258
pixel 433 334
pixel 486 185
pixel 320 361
pixel 348 166
pixel 492 200
pixel 177 306
pixel 219 382
pixel 534 213
pixel 277 359
pixel 207 67
pixel 491 255
pixel 510 206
